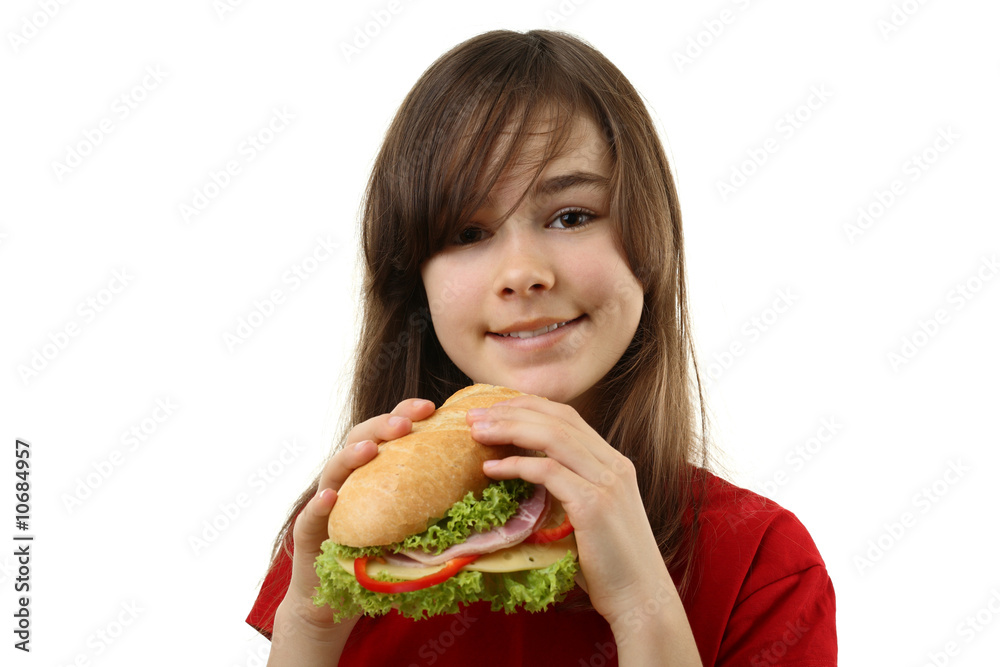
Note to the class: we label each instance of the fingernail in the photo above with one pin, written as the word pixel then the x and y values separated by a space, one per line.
pixel 477 412
pixel 359 446
pixel 482 426
pixel 396 421
pixel 423 404
pixel 489 465
pixel 326 495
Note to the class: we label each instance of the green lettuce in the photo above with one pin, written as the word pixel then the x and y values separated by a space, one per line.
pixel 534 590
pixel 499 503
pixel 468 516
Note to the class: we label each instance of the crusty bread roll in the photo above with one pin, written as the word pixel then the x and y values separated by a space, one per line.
pixel 415 479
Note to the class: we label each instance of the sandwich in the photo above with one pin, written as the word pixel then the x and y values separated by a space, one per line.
pixel 420 528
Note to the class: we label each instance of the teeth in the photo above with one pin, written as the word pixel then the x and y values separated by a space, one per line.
pixel 536 332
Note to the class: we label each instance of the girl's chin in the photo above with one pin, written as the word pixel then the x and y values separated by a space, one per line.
pixel 544 387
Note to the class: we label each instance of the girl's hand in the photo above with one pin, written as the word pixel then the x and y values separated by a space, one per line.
pixel 311 525
pixel 596 484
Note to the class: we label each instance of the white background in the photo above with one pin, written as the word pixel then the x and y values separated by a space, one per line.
pixel 899 427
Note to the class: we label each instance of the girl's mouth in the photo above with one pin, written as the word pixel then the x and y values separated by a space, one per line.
pixel 532 334
pixel 540 331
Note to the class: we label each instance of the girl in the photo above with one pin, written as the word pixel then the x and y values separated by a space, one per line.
pixel 522 228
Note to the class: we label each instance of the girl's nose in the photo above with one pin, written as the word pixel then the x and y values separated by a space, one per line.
pixel 524 268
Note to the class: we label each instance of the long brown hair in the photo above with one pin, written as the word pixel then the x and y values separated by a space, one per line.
pixel 450 141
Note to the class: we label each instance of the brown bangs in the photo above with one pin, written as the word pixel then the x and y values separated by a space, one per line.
pixel 489 150
pixel 464 127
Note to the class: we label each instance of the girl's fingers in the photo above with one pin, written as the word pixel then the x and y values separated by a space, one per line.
pixel 311 525
pixel 344 462
pixel 361 441
pixel 557 445
pixel 595 507
pixel 309 532
pixel 579 468
pixel 562 420
pixel 541 407
pixel 555 477
pixel 394 424
pixel 588 503
pixel 576 446
pixel 414 408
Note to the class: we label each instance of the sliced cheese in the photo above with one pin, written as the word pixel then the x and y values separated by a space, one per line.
pixel 519 557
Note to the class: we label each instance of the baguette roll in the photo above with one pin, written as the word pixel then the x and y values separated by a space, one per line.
pixel 414 480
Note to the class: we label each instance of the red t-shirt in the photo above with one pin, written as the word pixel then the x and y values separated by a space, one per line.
pixel 760 595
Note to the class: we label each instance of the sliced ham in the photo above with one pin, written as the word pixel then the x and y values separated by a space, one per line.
pixel 530 514
pixel 401 559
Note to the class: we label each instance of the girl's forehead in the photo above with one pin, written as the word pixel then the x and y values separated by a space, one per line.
pixel 549 146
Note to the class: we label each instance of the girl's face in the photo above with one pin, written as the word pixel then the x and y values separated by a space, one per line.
pixel 543 302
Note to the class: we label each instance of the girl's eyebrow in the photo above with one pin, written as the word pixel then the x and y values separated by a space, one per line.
pixel 556 184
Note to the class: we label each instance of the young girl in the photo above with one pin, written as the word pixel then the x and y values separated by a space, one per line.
pixel 522 228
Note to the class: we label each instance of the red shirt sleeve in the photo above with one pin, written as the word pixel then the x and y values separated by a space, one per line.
pixel 785 618
pixel 272 592
pixel 763 596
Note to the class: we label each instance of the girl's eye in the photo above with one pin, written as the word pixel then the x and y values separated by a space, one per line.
pixel 470 235
pixel 571 218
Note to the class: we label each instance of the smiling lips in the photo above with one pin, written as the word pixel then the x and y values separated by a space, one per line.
pixel 534 332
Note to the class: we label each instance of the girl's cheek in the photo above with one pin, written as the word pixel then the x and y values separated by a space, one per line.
pixel 444 287
pixel 452 295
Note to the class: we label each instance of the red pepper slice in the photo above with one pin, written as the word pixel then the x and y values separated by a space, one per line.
pixel 546 535
pixel 450 569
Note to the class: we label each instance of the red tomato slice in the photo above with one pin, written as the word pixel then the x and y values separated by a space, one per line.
pixel 546 535
pixel 450 569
